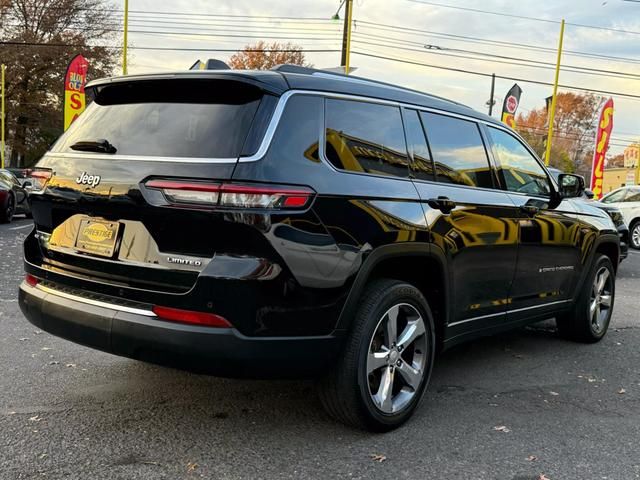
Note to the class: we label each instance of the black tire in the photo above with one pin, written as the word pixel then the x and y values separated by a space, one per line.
pixel 345 391
pixel 634 241
pixel 580 324
pixel 8 209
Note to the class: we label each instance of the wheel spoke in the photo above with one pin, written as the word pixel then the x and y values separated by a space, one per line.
pixel 605 300
pixel 593 308
pixel 413 330
pixel 376 360
pixel 410 375
pixel 602 280
pixel 391 326
pixel 384 397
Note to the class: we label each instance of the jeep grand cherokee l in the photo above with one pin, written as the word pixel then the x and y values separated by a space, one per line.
pixel 294 222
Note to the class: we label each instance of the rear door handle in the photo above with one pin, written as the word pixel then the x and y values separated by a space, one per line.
pixel 530 210
pixel 444 204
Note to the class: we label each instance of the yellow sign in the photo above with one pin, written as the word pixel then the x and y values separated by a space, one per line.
pixel 74 81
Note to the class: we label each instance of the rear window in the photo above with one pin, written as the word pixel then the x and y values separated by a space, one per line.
pixel 168 118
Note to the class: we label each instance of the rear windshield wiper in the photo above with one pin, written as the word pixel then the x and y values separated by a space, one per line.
pixel 100 146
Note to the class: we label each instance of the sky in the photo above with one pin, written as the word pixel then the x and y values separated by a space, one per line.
pixel 400 29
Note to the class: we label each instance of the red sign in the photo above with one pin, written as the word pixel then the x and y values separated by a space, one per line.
pixel 74 82
pixel 605 125
pixel 510 105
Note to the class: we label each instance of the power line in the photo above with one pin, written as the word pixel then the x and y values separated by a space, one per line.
pixel 502 59
pixel 568 133
pixel 172 14
pixel 502 43
pixel 229 35
pixel 542 132
pixel 523 17
pixel 63 45
pixel 515 79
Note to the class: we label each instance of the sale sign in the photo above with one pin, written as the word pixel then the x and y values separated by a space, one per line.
pixel 603 133
pixel 74 82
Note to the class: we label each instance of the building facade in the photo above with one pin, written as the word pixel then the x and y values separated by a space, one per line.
pixel 632 155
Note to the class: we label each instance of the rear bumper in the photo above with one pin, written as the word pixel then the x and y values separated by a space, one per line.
pixel 140 335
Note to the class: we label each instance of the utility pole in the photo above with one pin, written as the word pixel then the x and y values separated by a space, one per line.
pixel 2 69
pixel 346 35
pixel 126 31
pixel 491 101
pixel 552 111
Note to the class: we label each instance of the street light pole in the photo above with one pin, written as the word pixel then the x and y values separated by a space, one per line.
pixel 491 96
pixel 346 35
pixel 126 28
pixel 2 69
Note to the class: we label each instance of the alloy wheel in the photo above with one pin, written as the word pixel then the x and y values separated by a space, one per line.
pixel 601 300
pixel 397 358
pixel 635 236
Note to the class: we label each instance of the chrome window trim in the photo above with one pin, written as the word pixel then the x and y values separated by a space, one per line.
pixel 271 129
pixel 96 303
pixel 460 322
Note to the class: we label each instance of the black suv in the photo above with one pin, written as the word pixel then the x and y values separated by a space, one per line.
pixel 300 223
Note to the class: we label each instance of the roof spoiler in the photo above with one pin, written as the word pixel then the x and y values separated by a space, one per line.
pixel 211 64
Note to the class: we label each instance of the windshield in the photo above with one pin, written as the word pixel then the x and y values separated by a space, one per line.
pixel 168 118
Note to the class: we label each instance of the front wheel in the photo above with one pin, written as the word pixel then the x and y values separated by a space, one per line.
pixel 634 235
pixel 385 367
pixel 589 320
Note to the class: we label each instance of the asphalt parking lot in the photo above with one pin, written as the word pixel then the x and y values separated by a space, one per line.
pixel 524 405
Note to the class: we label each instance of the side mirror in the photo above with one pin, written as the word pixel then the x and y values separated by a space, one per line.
pixel 589 194
pixel 27 184
pixel 570 185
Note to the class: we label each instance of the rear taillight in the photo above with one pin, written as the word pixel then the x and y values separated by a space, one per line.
pixel 191 317
pixel 31 280
pixel 39 179
pixel 230 195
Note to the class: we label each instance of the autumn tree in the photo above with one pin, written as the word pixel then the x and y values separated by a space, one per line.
pixel 263 56
pixel 574 131
pixel 38 38
pixel 616 162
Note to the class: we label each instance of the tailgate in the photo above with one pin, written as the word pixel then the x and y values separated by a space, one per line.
pixel 93 216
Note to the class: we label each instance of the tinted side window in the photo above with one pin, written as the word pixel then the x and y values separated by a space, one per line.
pixel 366 137
pixel 458 151
pixel 421 167
pixel 518 169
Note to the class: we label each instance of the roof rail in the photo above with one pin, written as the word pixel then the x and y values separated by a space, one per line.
pixel 290 68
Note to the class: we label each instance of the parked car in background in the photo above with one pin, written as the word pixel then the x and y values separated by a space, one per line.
pixel 613 211
pixel 13 197
pixel 627 200
pixel 22 174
